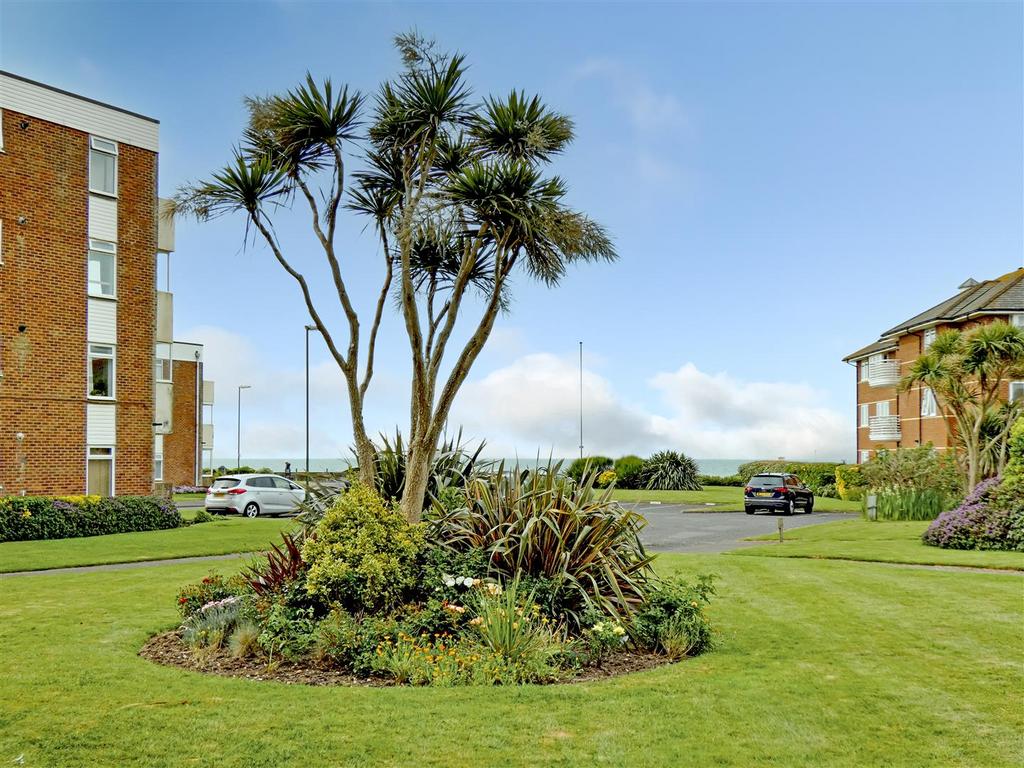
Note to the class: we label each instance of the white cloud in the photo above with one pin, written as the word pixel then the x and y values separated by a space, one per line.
pixel 649 110
pixel 533 405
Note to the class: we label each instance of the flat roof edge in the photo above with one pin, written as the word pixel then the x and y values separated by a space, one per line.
pixel 74 95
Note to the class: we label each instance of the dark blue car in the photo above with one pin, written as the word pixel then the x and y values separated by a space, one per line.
pixel 777 492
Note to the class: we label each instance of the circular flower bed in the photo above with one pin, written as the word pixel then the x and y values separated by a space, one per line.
pixel 515 578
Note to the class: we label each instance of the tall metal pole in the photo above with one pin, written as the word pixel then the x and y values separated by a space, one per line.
pixel 581 399
pixel 238 438
pixel 308 329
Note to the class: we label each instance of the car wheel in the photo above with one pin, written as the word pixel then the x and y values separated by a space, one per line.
pixel 789 508
pixel 252 509
pixel 749 511
pixel 810 506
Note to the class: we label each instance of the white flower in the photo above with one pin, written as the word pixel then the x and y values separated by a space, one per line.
pixel 449 581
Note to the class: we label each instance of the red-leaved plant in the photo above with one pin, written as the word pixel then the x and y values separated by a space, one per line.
pixel 283 566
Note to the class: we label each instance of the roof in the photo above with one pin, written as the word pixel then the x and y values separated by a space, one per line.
pixel 1003 294
pixel 78 96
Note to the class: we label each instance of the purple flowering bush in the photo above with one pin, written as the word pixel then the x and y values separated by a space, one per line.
pixel 991 517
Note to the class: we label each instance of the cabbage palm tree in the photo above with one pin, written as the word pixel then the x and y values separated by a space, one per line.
pixel 457 196
pixel 966 370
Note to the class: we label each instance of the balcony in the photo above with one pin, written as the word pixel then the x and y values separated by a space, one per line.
pixel 884 428
pixel 207 437
pixel 884 373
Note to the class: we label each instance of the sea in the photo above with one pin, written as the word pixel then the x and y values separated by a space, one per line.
pixel 707 466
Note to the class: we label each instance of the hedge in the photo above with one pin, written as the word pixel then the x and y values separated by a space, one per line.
pixel 816 475
pixel 26 518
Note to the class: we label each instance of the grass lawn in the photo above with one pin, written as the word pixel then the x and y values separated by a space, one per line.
pixel 189 496
pixel 232 534
pixel 884 542
pixel 820 663
pixel 726 499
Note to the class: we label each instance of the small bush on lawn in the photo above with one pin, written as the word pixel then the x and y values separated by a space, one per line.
pixel 591 465
pixel 202 516
pixel 850 482
pixel 30 518
pixel 673 621
pixel 627 471
pixel 363 555
pixel 670 471
pixel 910 504
pixel 606 478
pixel 987 519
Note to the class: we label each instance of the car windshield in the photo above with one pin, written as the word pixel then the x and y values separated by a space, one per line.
pixel 766 481
pixel 225 482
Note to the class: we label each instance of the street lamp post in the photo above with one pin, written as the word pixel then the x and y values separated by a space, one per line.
pixel 238 443
pixel 581 399
pixel 308 329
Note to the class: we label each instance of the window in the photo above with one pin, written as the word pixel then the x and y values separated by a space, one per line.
pixel 865 414
pixel 929 406
pixel 1017 319
pixel 863 370
pixel 103 166
pixel 865 457
pixel 1016 391
pixel 929 336
pixel 101 370
pixel 158 457
pixel 100 472
pixel 260 482
pixel 102 269
pixel 163 369
pixel 281 484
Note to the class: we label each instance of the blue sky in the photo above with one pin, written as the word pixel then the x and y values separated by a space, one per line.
pixel 782 181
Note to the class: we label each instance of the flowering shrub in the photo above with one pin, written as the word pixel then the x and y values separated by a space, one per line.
pixel 673 621
pixel 990 517
pixel 192 597
pixel 29 518
pixel 211 625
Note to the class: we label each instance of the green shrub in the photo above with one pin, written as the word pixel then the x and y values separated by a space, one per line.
pixel 814 474
pixel 594 465
pixel 922 468
pixel 286 631
pixel 670 471
pixel 538 524
pixel 721 480
pixel 30 518
pixel 210 626
pixel 672 621
pixel 911 504
pixel 1013 474
pixel 202 516
pixel 453 463
pixel 363 555
pixel 627 471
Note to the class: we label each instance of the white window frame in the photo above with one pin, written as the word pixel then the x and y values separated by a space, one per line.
pixel 1019 387
pixel 929 405
pixel 882 408
pixel 107 147
pixel 106 249
pixel 865 414
pixel 158 458
pixel 865 369
pixel 111 456
pixel 112 357
pixel 1017 319
pixel 1 136
pixel 170 367
pixel 865 456
pixel 929 337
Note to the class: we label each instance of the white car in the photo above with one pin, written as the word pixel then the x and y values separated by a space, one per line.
pixel 254 495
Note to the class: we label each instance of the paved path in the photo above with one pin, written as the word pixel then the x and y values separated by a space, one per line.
pixel 679 528
pixel 128 566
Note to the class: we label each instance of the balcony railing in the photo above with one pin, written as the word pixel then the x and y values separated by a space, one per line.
pixel 207 436
pixel 884 373
pixel 884 428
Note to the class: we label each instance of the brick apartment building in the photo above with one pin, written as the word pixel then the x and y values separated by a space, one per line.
pixel 95 395
pixel 887 418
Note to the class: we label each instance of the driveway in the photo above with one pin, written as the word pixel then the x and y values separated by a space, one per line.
pixel 679 528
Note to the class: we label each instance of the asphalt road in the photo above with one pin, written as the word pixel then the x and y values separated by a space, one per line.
pixel 677 528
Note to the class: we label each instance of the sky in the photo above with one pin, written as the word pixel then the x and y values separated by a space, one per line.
pixel 782 183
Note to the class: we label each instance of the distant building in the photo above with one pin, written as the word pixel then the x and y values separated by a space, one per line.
pixel 887 418
pixel 95 395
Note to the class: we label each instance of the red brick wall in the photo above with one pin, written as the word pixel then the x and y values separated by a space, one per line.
pixel 180 445
pixel 43 182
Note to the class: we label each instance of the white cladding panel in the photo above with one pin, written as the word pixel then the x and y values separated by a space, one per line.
pixel 101 323
pixel 164 317
pixel 189 353
pixel 79 113
pixel 164 408
pixel 103 218
pixel 165 226
pixel 100 424
pixel 208 392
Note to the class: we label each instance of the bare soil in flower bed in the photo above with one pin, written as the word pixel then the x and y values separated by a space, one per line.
pixel 168 649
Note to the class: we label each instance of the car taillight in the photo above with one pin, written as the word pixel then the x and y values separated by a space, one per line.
pixel 781 490
pixel 236 491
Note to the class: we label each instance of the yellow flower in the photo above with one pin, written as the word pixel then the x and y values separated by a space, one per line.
pixel 26 513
